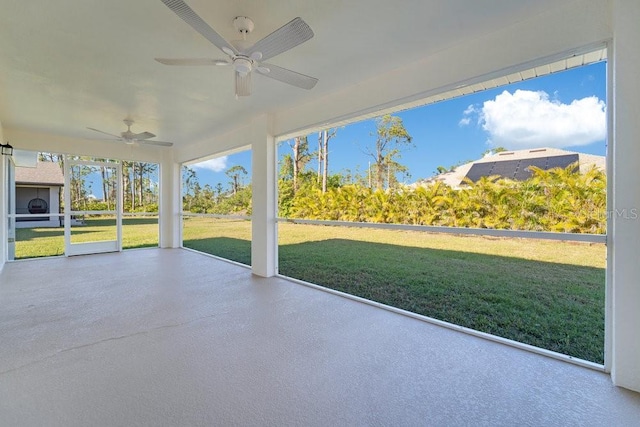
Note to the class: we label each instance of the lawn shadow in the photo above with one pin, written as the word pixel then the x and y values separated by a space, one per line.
pixel 29 234
pixel 126 246
pixel 25 234
pixel 237 250
pixel 139 221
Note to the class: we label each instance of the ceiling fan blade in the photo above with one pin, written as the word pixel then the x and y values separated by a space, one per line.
pixel 284 38
pixel 287 76
pixel 106 133
pixel 243 84
pixel 192 61
pixel 181 9
pixel 142 135
pixel 160 143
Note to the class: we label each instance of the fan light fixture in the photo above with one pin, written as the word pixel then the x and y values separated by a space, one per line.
pixel 7 150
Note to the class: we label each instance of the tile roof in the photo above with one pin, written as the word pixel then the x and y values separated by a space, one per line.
pixel 48 173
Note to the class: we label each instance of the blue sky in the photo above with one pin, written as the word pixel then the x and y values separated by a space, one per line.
pixel 563 110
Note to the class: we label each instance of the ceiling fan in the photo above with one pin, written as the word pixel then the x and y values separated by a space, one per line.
pixel 129 137
pixel 244 56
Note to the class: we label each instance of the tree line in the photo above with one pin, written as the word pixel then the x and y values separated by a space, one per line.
pixel 561 200
pixel 235 198
pixel 139 185
pixel 303 169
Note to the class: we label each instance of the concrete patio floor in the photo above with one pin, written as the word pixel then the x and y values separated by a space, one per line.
pixel 173 337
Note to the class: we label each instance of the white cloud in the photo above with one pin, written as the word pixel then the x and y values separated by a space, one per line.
pixel 464 121
pixel 216 165
pixel 527 119
pixel 470 111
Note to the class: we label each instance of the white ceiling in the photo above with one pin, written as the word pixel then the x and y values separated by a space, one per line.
pixel 66 65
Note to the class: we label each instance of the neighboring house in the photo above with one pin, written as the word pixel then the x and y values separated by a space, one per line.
pixel 515 165
pixel 39 191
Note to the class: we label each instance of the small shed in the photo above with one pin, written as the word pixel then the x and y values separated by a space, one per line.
pixel 39 191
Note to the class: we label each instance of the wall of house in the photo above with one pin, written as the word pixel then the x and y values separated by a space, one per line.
pixel 51 195
pixel 54 203
pixel 25 194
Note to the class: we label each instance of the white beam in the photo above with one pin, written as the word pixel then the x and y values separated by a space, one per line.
pixel 625 304
pixel 264 206
pixel 218 144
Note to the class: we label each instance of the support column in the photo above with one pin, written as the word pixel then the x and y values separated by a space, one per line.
pixel 170 202
pixel 3 209
pixel 625 197
pixel 54 204
pixel 264 244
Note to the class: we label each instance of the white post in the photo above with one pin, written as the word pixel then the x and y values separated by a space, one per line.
pixel 54 205
pixel 67 206
pixel 625 197
pixel 170 202
pixel 264 245
pixel 119 207
pixel 4 245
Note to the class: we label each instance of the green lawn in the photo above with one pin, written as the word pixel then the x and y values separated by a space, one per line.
pixel 544 293
pixel 41 242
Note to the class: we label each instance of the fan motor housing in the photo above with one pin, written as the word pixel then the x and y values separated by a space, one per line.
pixel 242 65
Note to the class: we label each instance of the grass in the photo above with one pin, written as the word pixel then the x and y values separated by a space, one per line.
pixel 544 293
pixel 41 242
pixel 230 239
